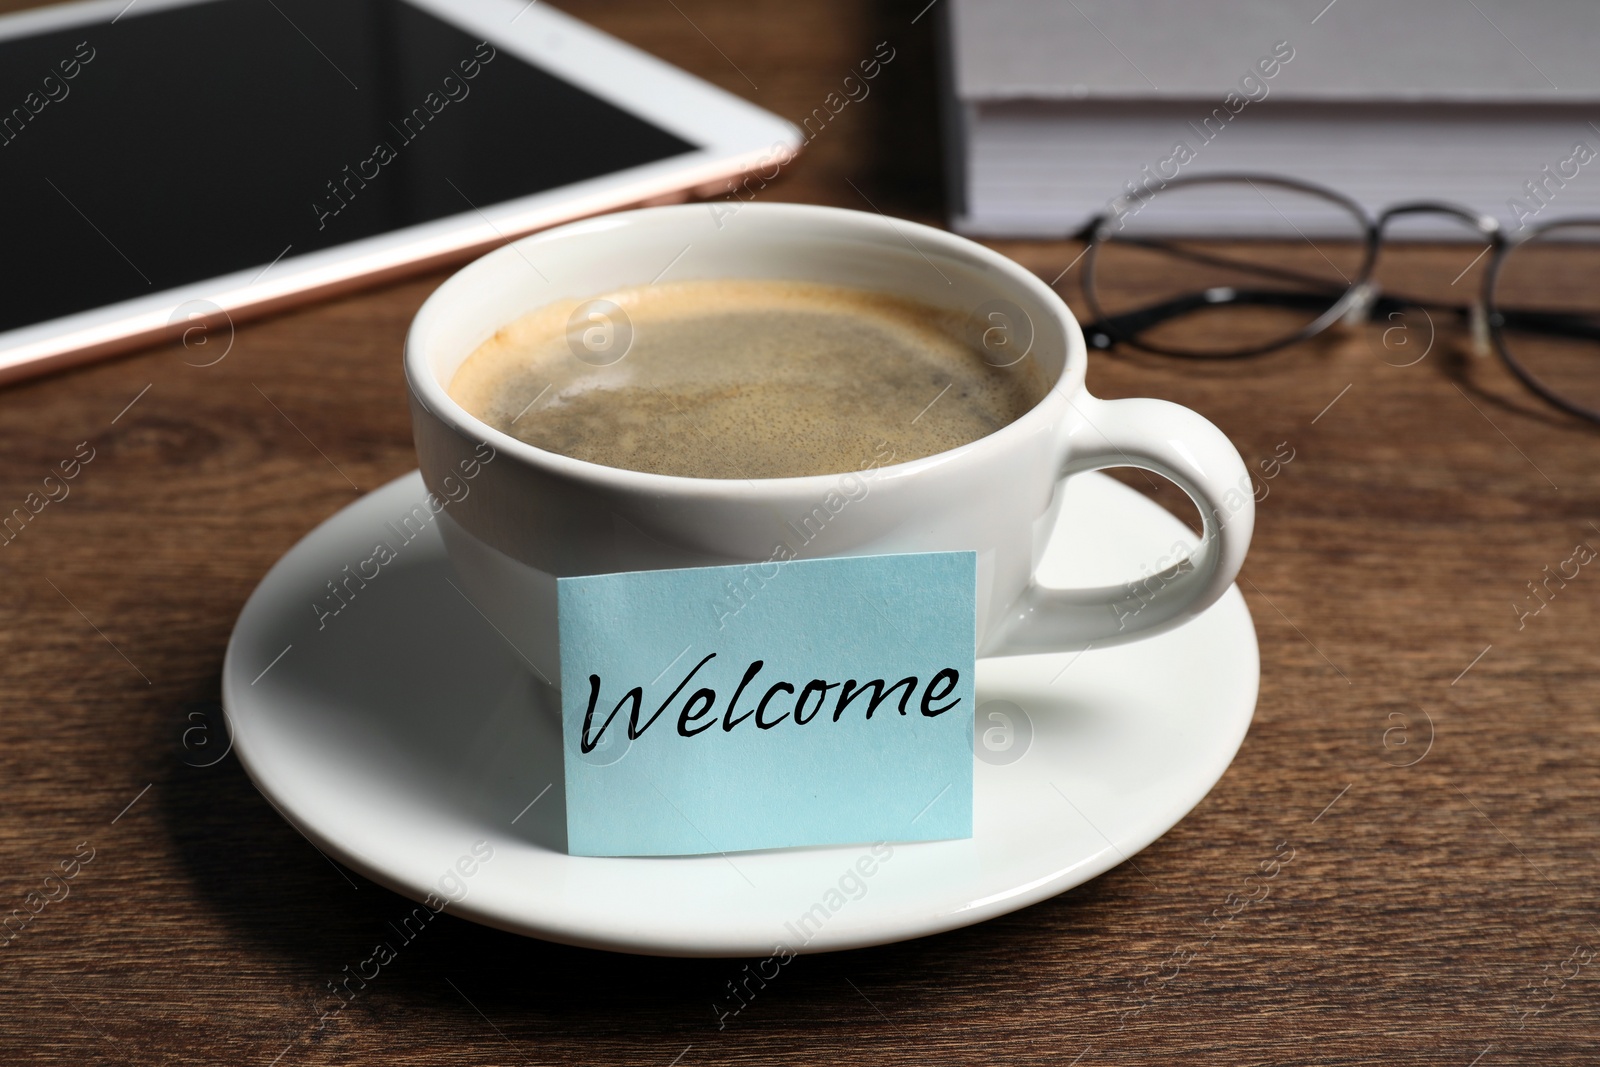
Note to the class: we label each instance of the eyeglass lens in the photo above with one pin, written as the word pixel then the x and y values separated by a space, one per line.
pixel 1171 273
pixel 1546 300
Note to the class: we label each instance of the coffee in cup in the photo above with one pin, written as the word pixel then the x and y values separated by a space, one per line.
pixel 744 378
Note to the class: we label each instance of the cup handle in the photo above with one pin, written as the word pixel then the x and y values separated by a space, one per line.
pixel 1177 444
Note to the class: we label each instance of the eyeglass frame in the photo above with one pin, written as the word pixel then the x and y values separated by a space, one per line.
pixel 1361 295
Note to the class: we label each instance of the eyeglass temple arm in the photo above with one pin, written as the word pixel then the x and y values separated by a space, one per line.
pixel 1127 326
pixel 1550 323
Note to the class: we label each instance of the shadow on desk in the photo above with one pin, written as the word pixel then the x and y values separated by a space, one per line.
pixel 273 890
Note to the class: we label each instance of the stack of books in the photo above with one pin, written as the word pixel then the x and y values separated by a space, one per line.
pixel 1053 107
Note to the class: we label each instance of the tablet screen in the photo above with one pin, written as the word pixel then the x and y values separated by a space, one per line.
pixel 183 143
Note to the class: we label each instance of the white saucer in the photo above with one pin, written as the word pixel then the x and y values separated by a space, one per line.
pixel 404 732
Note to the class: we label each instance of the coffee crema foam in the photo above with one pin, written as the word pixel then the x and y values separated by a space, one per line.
pixel 746 379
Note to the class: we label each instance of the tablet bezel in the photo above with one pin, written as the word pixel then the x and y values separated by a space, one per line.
pixel 738 138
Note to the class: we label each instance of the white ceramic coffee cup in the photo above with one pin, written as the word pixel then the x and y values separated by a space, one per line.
pixel 530 516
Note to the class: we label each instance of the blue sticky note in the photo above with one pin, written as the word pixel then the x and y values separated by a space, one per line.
pixel 812 702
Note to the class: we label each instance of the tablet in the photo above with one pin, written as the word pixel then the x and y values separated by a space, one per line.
pixel 172 166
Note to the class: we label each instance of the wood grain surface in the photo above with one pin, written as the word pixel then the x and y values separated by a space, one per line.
pixel 1427 754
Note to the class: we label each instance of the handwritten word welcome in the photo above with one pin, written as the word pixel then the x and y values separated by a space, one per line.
pixel 702 705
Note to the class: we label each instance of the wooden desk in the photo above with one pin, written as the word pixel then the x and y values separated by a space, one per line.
pixel 1439 913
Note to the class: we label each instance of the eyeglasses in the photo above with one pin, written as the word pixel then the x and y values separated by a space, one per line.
pixel 1166 270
